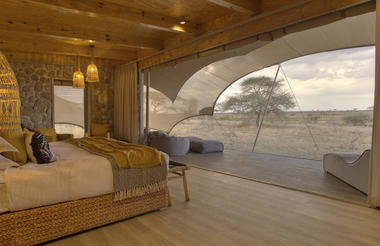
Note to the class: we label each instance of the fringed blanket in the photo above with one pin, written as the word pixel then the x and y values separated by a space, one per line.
pixel 137 169
pixel 124 154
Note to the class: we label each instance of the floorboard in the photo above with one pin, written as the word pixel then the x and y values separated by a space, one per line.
pixel 226 210
pixel 302 174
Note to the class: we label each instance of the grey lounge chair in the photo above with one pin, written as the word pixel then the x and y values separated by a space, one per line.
pixel 173 146
pixel 351 168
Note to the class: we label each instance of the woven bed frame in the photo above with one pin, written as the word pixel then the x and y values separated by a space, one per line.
pixel 38 225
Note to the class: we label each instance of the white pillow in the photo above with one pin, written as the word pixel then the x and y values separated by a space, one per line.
pixel 5 163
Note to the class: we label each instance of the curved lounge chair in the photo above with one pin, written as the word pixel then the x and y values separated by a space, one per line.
pixel 351 168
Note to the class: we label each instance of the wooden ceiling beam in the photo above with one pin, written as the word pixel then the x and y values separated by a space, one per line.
pixel 108 10
pixel 47 30
pixel 57 59
pixel 15 41
pixel 24 16
pixel 266 6
pixel 249 7
pixel 294 12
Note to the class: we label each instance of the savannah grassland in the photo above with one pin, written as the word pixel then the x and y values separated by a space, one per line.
pixel 333 131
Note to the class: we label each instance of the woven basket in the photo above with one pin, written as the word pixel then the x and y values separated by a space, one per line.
pixel 38 225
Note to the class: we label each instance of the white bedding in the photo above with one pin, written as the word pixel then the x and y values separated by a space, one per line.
pixel 76 174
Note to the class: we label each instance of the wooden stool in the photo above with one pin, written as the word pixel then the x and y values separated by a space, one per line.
pixel 179 170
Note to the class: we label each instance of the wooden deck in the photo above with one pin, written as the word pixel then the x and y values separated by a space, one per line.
pixel 226 210
pixel 301 174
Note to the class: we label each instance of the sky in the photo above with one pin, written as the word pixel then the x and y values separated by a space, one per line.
pixel 334 80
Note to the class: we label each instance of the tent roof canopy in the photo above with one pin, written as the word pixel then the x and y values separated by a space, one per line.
pixel 192 87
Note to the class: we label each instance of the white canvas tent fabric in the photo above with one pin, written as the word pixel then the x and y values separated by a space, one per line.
pixel 192 88
pixel 69 105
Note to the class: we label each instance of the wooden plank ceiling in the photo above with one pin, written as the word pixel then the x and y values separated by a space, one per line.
pixel 121 30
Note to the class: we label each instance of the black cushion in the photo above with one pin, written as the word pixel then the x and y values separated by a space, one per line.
pixel 37 147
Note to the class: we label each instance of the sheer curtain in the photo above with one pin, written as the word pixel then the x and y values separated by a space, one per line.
pixel 126 108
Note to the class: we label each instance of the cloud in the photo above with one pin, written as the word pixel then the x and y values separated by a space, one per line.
pixel 357 63
pixel 342 79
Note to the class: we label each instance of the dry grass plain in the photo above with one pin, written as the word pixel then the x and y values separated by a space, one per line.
pixel 287 134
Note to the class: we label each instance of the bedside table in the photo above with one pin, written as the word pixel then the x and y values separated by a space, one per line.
pixel 179 170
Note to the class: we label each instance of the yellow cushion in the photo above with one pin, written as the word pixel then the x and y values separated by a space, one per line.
pixel 49 133
pixel 99 130
pixel 16 138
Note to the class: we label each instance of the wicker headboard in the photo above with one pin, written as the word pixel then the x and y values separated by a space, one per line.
pixel 9 97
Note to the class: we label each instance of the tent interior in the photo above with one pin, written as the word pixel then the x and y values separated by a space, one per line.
pixel 267 111
pixel 182 93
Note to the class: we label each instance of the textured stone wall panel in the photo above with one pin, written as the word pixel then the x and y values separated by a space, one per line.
pixel 35 92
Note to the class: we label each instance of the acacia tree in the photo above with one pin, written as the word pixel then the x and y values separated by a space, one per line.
pixel 253 97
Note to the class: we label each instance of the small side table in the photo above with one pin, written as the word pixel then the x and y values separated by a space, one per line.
pixel 179 170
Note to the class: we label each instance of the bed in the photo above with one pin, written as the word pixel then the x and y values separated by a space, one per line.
pixel 39 203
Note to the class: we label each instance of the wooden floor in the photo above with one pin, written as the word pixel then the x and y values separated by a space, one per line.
pixel 301 174
pixel 226 210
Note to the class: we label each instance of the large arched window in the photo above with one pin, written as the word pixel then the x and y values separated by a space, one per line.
pixel 321 103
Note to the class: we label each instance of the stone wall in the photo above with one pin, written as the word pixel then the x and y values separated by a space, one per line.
pixel 35 91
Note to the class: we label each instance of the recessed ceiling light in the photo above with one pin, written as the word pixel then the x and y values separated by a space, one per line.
pixel 182 20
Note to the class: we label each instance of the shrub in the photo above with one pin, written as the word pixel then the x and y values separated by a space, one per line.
pixel 313 118
pixel 357 119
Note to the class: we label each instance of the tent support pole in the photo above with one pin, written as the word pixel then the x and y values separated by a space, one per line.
pixel 374 170
pixel 147 85
pixel 266 108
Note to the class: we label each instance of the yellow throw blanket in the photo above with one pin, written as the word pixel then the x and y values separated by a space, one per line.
pixel 125 155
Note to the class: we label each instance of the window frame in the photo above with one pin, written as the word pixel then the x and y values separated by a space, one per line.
pixel 67 82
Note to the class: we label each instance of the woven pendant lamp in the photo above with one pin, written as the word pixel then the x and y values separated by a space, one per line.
pixel 78 78
pixel 9 97
pixel 92 69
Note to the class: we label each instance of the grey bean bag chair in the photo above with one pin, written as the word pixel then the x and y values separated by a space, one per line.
pixel 206 146
pixel 170 145
pixel 351 168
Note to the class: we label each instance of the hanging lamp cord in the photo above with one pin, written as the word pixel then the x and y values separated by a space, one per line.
pixel 92 53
